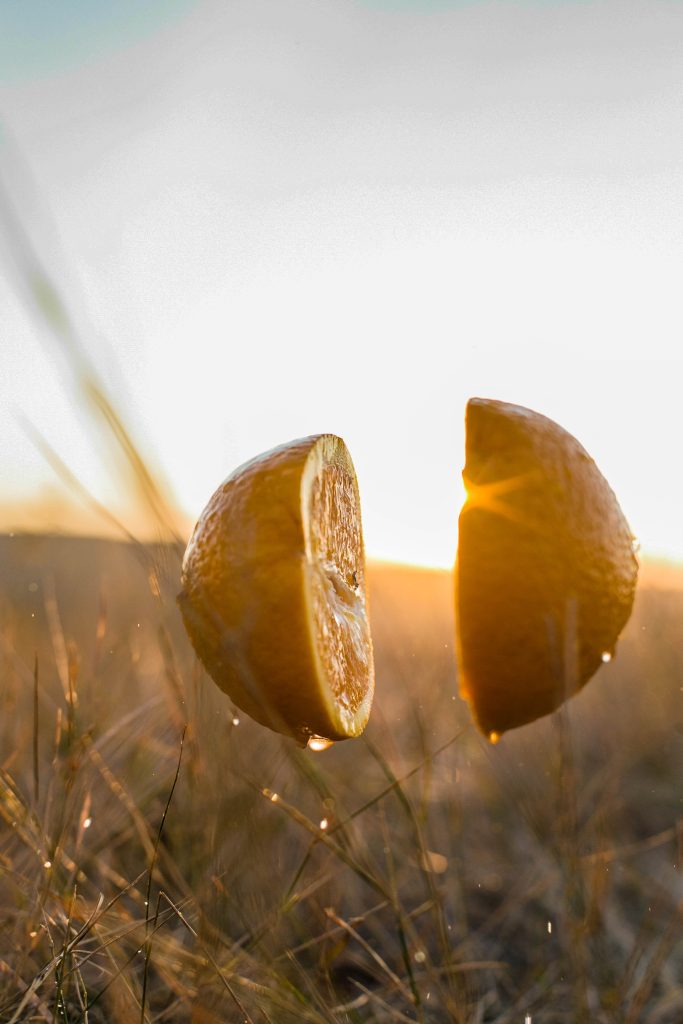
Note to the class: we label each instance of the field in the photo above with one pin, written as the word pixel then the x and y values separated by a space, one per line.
pixel 164 859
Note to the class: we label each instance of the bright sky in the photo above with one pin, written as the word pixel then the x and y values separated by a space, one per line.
pixel 274 219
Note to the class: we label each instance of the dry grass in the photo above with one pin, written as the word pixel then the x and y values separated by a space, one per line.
pixel 417 874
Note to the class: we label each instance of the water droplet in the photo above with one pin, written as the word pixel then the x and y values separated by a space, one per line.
pixel 606 656
pixel 420 956
pixel 324 823
pixel 32 935
pixel 47 864
pixel 527 1019
pixel 318 743
pixel 273 797
pixel 494 737
pixel 550 927
pixel 87 823
pixel 235 720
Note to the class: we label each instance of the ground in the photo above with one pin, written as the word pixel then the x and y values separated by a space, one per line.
pixel 163 858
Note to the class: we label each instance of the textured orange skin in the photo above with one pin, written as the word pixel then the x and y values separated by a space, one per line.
pixel 545 575
pixel 243 599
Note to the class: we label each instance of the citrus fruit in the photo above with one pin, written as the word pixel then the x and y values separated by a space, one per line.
pixel 273 591
pixel 545 572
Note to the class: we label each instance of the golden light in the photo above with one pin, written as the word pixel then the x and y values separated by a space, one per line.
pixel 489 496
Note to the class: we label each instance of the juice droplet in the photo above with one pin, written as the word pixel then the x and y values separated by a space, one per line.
pixel 606 656
pixel 318 743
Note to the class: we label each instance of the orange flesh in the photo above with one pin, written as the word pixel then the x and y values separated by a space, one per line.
pixel 338 587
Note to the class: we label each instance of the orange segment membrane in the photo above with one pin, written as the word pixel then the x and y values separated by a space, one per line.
pixel 337 581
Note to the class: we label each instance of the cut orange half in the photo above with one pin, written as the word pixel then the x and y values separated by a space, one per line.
pixel 545 573
pixel 274 594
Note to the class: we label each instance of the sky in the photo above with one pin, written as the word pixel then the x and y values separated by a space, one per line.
pixel 274 218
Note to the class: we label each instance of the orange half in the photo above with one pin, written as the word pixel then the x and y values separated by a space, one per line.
pixel 545 572
pixel 274 596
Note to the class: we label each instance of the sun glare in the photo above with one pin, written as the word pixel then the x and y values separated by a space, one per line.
pixel 490 496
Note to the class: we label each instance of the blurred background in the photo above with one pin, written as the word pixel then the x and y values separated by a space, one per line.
pixel 271 219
